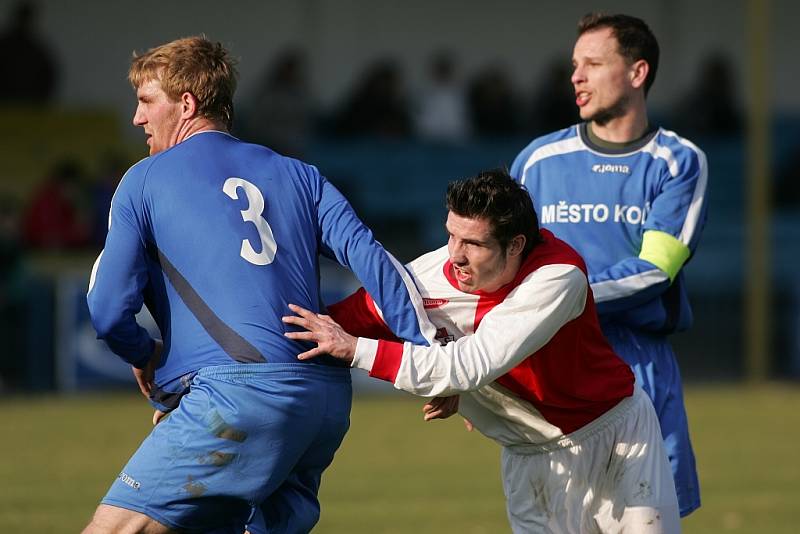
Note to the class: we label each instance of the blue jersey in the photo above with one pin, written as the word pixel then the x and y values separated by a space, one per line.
pixel 216 237
pixel 635 215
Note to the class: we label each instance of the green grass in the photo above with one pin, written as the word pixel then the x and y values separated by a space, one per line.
pixel 395 473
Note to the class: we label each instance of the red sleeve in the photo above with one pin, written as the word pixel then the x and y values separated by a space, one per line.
pixel 359 317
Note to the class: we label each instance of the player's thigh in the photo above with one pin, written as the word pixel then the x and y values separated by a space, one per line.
pixel 114 520
pixel 636 484
pixel 293 507
pixel 195 471
pixel 534 493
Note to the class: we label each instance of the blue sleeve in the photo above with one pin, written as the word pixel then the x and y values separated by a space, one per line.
pixel 390 285
pixel 119 275
pixel 671 232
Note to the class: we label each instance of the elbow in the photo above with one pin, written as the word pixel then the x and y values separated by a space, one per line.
pixel 103 327
pixel 104 321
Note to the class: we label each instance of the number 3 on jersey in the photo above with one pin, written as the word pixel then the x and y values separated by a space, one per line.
pixel 253 214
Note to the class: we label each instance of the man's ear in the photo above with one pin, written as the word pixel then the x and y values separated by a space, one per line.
pixel 516 245
pixel 189 105
pixel 638 73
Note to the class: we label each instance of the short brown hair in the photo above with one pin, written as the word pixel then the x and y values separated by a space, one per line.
pixel 195 65
pixel 634 37
pixel 506 204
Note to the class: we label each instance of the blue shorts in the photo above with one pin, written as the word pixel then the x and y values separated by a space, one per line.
pixel 245 436
pixel 656 369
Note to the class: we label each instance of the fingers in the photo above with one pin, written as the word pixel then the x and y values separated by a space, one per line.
pixel 313 353
pixel 302 312
pixel 141 380
pixel 468 425
pixel 303 336
pixel 433 414
pixel 157 416
pixel 297 321
pixel 440 408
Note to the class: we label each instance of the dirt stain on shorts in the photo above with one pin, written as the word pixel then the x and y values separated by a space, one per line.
pixel 218 458
pixel 221 429
pixel 195 489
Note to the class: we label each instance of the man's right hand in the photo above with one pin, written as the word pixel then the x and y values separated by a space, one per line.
pixel 324 331
pixel 145 376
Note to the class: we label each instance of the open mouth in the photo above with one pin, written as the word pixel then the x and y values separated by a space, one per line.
pixel 461 275
pixel 581 98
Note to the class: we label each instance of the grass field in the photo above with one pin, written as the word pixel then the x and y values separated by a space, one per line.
pixel 397 474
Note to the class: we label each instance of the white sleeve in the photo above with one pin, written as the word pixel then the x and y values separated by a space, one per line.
pixel 516 328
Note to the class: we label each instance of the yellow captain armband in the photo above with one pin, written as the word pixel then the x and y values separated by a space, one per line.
pixel 664 251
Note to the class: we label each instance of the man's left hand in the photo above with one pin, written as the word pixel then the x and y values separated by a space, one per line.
pixel 440 408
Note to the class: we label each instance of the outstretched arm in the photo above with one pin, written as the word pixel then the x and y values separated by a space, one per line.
pixel 516 328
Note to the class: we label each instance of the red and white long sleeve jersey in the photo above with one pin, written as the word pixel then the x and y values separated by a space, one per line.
pixel 529 359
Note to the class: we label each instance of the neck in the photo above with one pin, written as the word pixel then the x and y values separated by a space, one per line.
pixel 196 125
pixel 625 128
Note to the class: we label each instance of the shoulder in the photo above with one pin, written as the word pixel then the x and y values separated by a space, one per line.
pixel 553 144
pixel 550 282
pixel 552 251
pixel 429 264
pixel 134 179
pixel 679 153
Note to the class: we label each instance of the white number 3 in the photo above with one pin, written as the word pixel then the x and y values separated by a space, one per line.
pixel 253 214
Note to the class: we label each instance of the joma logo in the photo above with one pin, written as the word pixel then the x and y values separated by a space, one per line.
pixel 608 167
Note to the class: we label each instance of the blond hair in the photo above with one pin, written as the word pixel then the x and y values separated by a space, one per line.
pixel 195 65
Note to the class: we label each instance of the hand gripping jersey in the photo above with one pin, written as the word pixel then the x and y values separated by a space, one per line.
pixel 216 237
pixel 635 215
pixel 529 357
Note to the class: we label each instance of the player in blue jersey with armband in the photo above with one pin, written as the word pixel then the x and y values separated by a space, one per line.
pixel 631 199
pixel 216 236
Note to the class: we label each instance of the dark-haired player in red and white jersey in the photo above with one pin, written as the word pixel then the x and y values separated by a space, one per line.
pixel 522 349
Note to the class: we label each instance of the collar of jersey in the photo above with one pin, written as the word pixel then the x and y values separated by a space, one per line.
pixel 624 148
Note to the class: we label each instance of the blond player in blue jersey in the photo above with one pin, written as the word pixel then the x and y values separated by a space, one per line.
pixel 216 236
pixel 630 197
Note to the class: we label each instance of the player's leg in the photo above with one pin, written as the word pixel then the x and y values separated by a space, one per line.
pixel 113 520
pixel 656 369
pixel 293 508
pixel 634 490
pixel 191 473
pixel 527 485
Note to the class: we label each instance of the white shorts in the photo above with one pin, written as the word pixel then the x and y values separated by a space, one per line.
pixel 610 476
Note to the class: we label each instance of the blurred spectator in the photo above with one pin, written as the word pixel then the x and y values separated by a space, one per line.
pixel 553 104
pixel 379 105
pixel 55 217
pixel 441 113
pixel 29 71
pixel 282 113
pixel 711 107
pixel 12 295
pixel 493 106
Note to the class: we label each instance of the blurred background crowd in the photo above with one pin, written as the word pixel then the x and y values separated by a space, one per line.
pixel 396 130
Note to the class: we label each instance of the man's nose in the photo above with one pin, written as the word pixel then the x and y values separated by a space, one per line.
pixel 138 117
pixel 457 253
pixel 577 75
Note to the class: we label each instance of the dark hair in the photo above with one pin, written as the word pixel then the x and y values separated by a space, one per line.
pixel 495 196
pixel 635 39
pixel 194 64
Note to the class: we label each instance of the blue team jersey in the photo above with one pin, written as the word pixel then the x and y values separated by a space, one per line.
pixel 635 215
pixel 216 237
